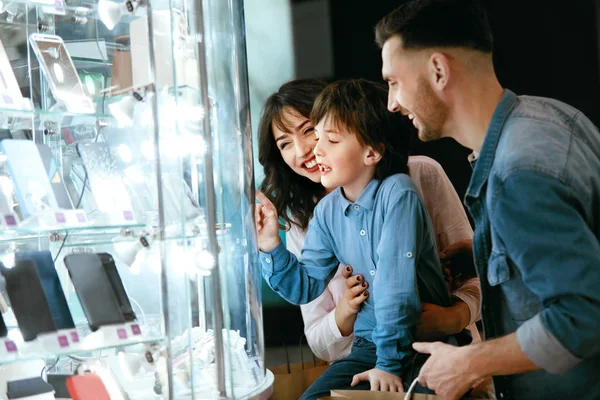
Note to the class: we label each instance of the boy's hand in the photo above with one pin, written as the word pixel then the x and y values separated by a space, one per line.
pixel 380 380
pixel 267 224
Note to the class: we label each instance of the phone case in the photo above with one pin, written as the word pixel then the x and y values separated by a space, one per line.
pixel 56 181
pixel 87 387
pixel 94 290
pixel 27 388
pixel 60 73
pixel 52 287
pixel 110 267
pixel 105 178
pixel 29 176
pixel 27 299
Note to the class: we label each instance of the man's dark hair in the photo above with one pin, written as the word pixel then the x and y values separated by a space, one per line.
pixel 360 106
pixel 437 23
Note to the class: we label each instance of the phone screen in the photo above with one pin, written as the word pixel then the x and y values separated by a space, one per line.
pixel 61 74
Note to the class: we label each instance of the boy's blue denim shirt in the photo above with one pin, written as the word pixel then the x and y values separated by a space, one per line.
pixel 535 199
pixel 386 236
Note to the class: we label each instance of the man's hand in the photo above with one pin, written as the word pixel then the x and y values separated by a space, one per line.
pixel 380 380
pixel 354 296
pixel 446 371
pixel 438 322
pixel 267 224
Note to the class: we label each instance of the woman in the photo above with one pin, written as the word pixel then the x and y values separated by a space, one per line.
pixel 292 183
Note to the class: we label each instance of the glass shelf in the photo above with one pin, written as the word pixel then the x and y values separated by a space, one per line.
pixel 35 350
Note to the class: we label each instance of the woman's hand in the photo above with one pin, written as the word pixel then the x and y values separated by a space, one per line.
pixel 457 263
pixel 267 224
pixel 355 294
pixel 438 322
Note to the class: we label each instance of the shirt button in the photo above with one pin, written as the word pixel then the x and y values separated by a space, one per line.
pixel 409 254
pixel 268 260
pixel 362 232
pixel 372 272
pixel 356 207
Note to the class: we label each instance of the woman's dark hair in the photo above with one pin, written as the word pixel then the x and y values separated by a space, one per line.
pixel 294 196
pixel 424 24
pixel 360 106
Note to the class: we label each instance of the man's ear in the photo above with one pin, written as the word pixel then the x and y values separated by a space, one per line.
pixel 439 71
pixel 373 156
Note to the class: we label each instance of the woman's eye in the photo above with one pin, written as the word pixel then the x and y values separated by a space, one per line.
pixel 309 131
pixel 283 146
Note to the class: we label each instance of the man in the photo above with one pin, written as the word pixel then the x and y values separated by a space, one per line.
pixel 535 198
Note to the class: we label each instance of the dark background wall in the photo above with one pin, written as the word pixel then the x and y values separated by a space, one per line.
pixel 542 48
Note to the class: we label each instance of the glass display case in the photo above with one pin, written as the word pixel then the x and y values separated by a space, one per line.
pixel 128 257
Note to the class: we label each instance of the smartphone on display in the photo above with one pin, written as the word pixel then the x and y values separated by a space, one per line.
pixel 10 93
pixel 94 290
pixel 52 287
pixel 29 176
pixel 110 267
pixel 3 329
pixel 60 72
pixel 105 178
pixel 28 299
pixel 56 181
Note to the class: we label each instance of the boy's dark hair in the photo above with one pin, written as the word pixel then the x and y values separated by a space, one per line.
pixel 360 106
pixel 437 23
pixel 293 196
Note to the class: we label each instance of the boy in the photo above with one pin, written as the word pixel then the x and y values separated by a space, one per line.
pixel 375 221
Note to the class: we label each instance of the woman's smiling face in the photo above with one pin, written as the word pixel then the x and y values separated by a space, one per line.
pixel 296 141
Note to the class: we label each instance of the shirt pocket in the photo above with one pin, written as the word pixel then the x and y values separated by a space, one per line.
pixel 520 302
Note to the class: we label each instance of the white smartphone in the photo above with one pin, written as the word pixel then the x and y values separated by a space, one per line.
pixel 10 93
pixel 60 72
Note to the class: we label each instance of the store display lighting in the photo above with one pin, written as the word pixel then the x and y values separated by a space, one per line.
pixel 110 12
pixel 123 109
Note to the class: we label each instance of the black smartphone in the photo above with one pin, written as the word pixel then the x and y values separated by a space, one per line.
pixel 28 299
pixel 3 329
pixel 52 287
pixel 94 290
pixel 110 267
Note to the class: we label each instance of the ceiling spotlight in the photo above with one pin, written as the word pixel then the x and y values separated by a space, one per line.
pixel 110 12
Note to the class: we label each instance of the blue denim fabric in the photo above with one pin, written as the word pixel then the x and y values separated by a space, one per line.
pixel 362 358
pixel 535 199
pixel 385 236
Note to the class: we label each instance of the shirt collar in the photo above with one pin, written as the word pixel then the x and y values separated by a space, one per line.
pixel 485 160
pixel 366 198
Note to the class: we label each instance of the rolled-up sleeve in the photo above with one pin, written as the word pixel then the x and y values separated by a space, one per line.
pixel 321 330
pixel 397 305
pixel 539 221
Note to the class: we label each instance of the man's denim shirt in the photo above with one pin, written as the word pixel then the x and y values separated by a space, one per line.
pixel 535 198
pixel 386 236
